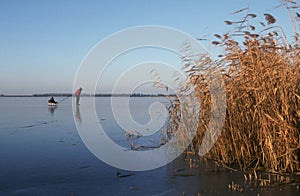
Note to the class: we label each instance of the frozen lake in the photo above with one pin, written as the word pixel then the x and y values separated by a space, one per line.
pixel 42 153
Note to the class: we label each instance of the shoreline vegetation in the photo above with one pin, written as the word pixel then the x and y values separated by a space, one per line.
pixel 261 73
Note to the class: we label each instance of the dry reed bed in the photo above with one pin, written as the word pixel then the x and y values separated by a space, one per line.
pixel 261 71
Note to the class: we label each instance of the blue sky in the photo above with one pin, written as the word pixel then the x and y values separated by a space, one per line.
pixel 42 43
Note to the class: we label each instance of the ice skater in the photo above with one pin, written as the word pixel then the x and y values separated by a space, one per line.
pixel 77 95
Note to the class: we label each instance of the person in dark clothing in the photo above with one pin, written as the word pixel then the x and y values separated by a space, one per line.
pixel 52 102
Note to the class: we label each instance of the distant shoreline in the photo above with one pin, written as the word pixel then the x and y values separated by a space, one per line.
pixel 89 95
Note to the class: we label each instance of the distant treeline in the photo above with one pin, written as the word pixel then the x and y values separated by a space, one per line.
pixel 90 95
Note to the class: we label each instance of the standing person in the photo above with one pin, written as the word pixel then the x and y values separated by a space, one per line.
pixel 77 95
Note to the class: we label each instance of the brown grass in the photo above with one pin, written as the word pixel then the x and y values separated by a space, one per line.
pixel 261 71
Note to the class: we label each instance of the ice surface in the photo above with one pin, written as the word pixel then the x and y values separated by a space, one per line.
pixel 41 153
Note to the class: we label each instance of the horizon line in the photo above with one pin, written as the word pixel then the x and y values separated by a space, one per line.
pixel 87 95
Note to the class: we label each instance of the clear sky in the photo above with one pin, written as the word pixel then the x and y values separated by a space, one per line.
pixel 42 43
